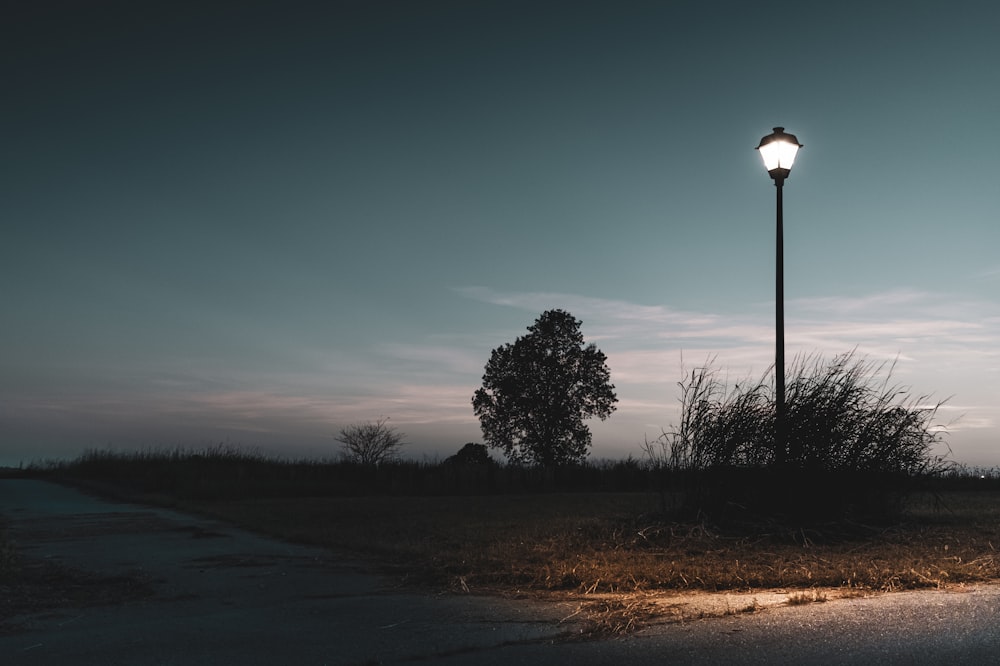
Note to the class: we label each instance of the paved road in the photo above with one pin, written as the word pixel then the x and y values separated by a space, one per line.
pixel 225 596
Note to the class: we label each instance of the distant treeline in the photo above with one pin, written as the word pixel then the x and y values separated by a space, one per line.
pixel 231 473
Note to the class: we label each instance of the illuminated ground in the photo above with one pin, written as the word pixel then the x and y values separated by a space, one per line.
pixel 172 588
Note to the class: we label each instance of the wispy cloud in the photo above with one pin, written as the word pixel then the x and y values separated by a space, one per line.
pixel 869 303
pixel 624 314
pixel 942 344
pixel 896 319
pixel 990 273
pixel 445 359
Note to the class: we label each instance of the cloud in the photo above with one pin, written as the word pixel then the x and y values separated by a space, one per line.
pixel 431 356
pixel 942 345
pixel 869 303
pixel 938 341
pixel 990 273
pixel 894 318
pixel 626 316
pixel 844 322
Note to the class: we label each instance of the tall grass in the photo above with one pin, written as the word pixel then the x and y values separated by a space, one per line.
pixel 848 416
pixel 853 440
pixel 229 472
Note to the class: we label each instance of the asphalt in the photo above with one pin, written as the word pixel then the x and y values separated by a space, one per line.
pixel 221 595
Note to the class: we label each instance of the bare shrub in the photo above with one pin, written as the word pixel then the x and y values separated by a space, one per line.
pixel 371 442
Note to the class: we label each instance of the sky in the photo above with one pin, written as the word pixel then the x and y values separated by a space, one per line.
pixel 257 222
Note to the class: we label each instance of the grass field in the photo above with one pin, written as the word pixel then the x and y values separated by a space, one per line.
pixel 613 551
pixel 614 542
pixel 526 533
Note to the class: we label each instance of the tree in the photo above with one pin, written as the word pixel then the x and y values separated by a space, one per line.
pixel 471 454
pixel 537 392
pixel 371 442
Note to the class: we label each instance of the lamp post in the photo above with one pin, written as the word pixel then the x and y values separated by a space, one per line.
pixel 778 151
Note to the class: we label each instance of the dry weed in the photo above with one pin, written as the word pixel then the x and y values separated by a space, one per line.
pixel 806 597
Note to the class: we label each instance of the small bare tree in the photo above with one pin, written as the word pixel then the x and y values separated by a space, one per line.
pixel 371 442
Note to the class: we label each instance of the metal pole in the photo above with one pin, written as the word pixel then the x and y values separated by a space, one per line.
pixel 780 451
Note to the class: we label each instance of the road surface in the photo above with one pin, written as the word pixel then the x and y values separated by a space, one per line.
pixel 214 594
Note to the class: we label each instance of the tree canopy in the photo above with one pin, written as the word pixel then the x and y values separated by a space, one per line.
pixel 537 392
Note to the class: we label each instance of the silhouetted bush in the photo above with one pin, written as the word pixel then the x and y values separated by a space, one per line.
pixel 854 442
pixel 471 454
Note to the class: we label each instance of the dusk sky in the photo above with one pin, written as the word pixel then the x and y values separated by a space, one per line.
pixel 257 222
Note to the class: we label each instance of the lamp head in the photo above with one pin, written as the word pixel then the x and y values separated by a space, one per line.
pixel 778 151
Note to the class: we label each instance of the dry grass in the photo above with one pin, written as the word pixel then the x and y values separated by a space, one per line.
pixel 608 543
pixel 806 597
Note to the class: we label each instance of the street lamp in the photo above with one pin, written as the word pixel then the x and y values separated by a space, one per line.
pixel 778 151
